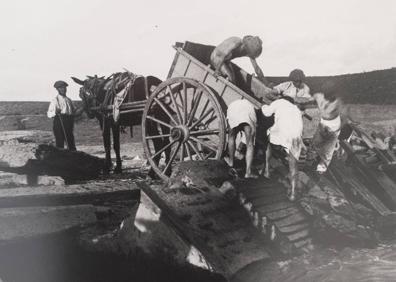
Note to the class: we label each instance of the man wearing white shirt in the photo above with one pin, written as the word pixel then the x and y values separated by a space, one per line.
pixel 62 110
pixel 285 136
pixel 295 88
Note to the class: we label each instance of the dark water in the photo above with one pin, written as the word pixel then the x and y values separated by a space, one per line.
pixel 60 258
pixel 328 265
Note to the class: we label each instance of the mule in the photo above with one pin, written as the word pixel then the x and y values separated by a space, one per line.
pixel 98 93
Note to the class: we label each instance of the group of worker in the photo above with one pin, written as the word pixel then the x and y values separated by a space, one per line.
pixel 284 136
pixel 288 98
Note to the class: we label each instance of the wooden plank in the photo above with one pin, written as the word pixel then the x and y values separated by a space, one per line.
pixel 377 179
pixel 348 177
pixel 258 192
pixel 294 228
pixel 283 213
pixel 69 194
pixel 259 202
pixel 302 234
pixel 25 222
pixel 290 220
pixel 274 207
pixel 303 243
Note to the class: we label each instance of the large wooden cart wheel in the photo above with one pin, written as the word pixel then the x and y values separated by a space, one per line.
pixel 182 120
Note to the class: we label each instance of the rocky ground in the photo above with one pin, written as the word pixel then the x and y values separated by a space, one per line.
pixel 107 225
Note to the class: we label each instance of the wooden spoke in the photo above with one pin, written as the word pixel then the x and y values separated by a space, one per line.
pixel 195 150
pixel 204 108
pixel 158 136
pixel 190 104
pixel 179 116
pixel 165 109
pixel 172 157
pixel 212 118
pixel 188 151
pixel 159 121
pixel 182 152
pixel 185 102
pixel 205 132
pixel 203 143
pixel 163 149
pixel 201 118
pixel 194 109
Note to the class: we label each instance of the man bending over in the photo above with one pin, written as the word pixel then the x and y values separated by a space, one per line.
pixel 235 47
pixel 285 136
pixel 241 116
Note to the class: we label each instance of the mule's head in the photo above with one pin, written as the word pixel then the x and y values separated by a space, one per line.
pixel 92 92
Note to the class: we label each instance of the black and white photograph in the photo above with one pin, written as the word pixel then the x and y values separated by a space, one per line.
pixel 189 141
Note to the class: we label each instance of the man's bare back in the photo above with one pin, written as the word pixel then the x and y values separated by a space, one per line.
pixel 235 47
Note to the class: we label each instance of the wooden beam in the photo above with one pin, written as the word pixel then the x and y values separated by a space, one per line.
pixel 69 194
pixel 378 179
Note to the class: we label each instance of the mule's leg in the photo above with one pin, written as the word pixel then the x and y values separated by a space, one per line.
pixel 106 144
pixel 116 146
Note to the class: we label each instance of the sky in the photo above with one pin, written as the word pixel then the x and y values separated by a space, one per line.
pixel 47 40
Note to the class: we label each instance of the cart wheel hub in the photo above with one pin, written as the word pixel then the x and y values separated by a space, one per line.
pixel 180 133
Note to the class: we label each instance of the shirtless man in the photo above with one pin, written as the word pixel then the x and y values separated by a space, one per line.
pixel 241 116
pixel 326 135
pixel 235 47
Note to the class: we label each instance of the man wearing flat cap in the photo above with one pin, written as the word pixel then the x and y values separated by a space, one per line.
pixel 235 47
pixel 62 110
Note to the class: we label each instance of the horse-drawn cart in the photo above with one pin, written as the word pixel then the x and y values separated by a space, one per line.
pixel 194 100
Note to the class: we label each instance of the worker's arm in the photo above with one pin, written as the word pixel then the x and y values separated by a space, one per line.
pixel 258 71
pixel 304 97
pixel 53 109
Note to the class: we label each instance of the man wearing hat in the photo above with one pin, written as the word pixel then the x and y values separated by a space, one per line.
pixel 62 110
pixel 294 88
pixel 235 47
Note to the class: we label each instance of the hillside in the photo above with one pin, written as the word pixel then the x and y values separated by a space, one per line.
pixel 375 87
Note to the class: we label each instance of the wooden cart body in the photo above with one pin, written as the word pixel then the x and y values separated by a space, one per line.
pixel 193 60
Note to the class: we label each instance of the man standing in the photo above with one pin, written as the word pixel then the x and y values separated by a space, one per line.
pixel 62 110
pixel 326 136
pixel 235 47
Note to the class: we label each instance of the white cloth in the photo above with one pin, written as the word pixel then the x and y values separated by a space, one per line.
pixel 288 89
pixel 325 141
pixel 288 126
pixel 62 104
pixel 241 111
pixel 333 125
